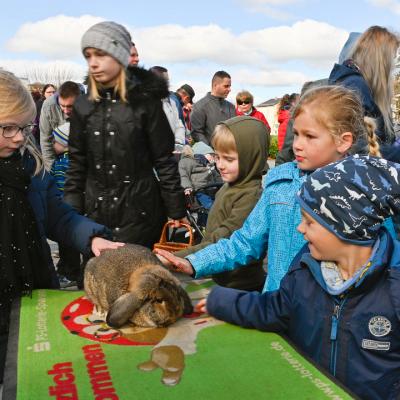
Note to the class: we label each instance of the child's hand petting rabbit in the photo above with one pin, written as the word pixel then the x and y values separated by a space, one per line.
pixel 176 264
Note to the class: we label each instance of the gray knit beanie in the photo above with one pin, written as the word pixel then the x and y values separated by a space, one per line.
pixel 110 37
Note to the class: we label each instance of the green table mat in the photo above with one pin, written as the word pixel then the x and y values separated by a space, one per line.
pixel 59 350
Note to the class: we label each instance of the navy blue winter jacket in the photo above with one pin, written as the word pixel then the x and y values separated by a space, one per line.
pixel 355 336
pixel 57 220
pixel 349 77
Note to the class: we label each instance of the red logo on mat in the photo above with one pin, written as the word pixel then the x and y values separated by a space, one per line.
pixel 79 319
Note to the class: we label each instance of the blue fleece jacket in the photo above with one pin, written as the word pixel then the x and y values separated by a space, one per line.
pixel 270 226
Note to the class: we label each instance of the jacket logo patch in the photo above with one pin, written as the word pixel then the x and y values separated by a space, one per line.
pixel 375 345
pixel 379 326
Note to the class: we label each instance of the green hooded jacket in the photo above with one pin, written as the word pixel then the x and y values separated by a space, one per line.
pixel 234 201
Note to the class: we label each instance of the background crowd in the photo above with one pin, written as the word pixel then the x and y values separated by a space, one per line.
pixel 109 161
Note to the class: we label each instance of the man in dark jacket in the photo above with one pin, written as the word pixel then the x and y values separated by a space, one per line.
pixel 212 108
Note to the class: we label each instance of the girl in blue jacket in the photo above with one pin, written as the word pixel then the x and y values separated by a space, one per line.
pixel 31 209
pixel 328 120
pixel 340 300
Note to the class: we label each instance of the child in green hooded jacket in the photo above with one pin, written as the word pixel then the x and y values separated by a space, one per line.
pixel 241 147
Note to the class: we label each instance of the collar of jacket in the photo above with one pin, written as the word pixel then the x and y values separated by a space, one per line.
pixel 285 172
pixel 29 162
pixel 142 85
pixel 386 258
pixel 216 98
pixel 342 71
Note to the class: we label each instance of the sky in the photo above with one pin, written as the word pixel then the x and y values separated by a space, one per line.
pixel 269 47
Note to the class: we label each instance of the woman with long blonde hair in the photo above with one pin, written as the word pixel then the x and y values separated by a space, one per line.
pixel 31 209
pixel 119 137
pixel 369 72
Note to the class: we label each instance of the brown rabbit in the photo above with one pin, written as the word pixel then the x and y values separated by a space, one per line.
pixel 131 284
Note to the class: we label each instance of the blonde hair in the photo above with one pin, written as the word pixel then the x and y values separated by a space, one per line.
pixel 120 87
pixel 223 139
pixel 374 53
pixel 15 100
pixel 340 110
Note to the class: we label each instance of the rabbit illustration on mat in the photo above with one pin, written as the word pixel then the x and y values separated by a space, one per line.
pixel 131 285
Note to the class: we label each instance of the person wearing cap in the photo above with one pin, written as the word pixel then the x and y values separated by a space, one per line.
pixel 340 300
pixel 185 95
pixel 60 164
pixel 119 137
pixel 197 170
pixel 69 263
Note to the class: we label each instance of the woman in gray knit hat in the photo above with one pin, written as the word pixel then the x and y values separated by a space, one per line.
pixel 119 137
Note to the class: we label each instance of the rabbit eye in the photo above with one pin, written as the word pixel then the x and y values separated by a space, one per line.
pixel 159 300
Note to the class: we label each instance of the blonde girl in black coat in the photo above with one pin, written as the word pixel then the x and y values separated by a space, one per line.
pixel 122 170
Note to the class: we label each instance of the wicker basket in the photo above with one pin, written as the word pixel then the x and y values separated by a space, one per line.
pixel 173 246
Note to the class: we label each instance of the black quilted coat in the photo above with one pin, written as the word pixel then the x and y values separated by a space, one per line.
pixel 114 149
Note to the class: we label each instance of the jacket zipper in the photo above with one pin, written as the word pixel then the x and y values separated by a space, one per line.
pixel 334 331
pixel 106 196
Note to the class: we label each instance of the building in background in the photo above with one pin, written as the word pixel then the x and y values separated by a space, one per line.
pixel 270 110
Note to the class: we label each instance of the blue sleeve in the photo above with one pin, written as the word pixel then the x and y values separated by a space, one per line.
pixel 174 97
pixel 358 84
pixel 249 243
pixel 66 226
pixel 269 311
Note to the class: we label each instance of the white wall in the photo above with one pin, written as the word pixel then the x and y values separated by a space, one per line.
pixel 270 114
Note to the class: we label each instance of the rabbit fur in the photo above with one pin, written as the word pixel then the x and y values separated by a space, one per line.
pixel 131 285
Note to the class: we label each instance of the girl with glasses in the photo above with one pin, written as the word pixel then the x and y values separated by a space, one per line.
pixel 31 209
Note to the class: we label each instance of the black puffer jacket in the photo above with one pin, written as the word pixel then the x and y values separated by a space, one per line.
pixel 113 148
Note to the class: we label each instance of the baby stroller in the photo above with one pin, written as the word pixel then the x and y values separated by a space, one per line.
pixel 201 180
pixel 198 204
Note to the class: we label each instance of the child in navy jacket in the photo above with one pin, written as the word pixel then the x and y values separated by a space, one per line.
pixel 340 300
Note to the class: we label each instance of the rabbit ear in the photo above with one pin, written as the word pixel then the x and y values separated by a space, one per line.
pixel 122 309
pixel 180 293
pixel 187 303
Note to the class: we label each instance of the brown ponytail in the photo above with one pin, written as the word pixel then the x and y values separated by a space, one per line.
pixel 373 144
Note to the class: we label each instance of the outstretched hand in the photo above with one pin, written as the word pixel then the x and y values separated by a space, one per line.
pixel 176 264
pixel 99 244
pixel 201 307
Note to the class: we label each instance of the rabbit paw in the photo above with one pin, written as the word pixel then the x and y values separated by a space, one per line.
pixel 99 312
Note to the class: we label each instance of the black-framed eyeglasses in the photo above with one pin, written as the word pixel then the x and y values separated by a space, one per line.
pixel 240 102
pixel 9 131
